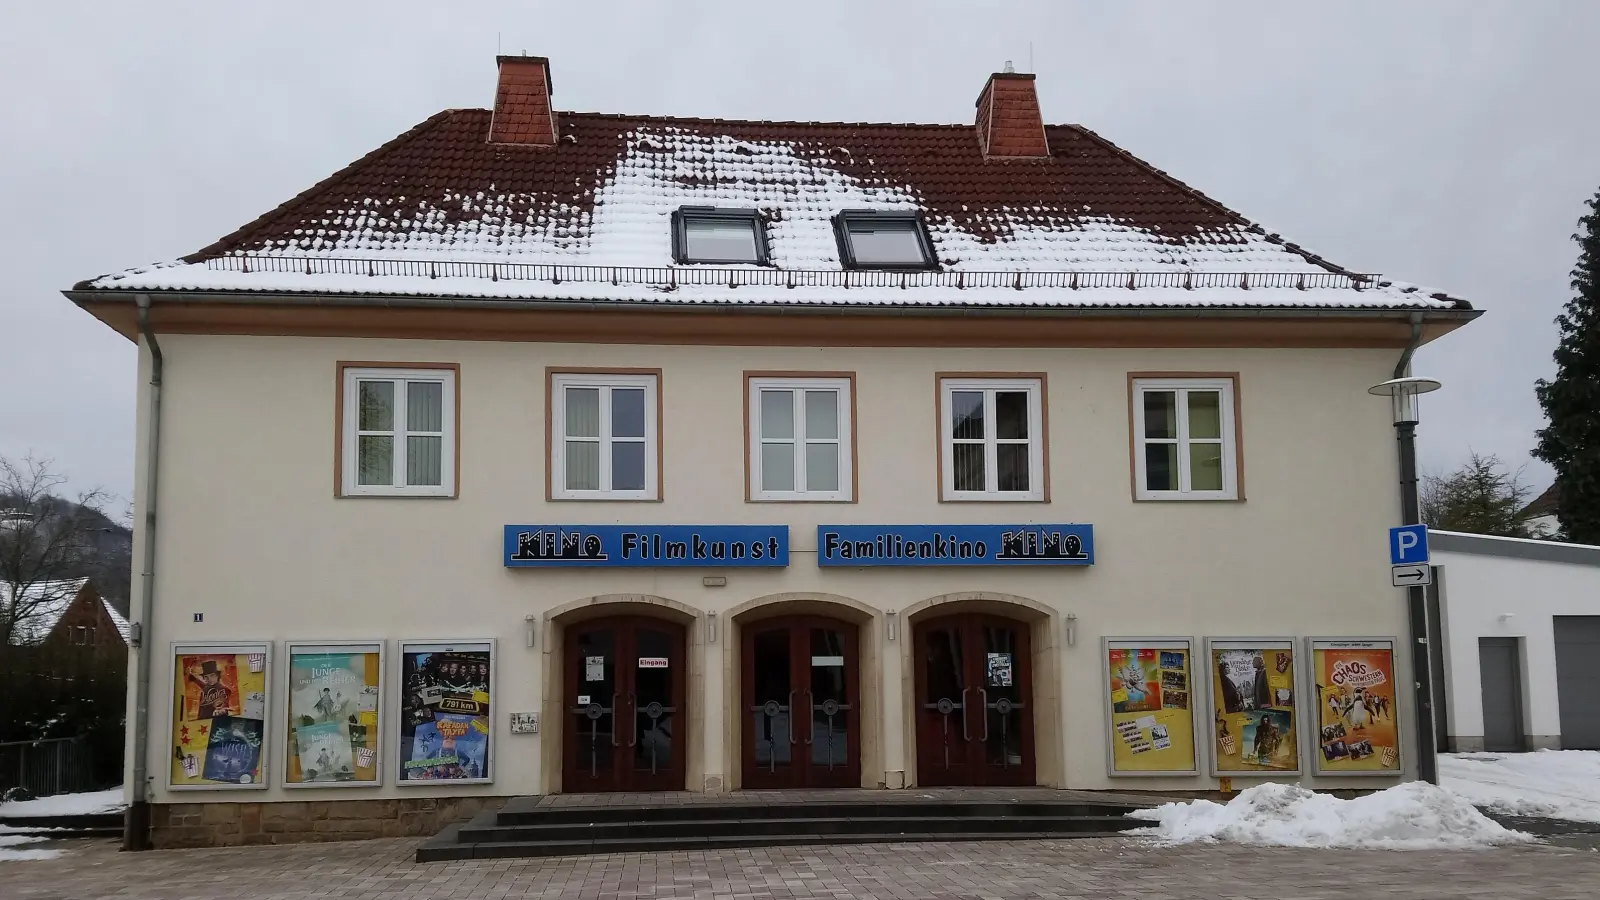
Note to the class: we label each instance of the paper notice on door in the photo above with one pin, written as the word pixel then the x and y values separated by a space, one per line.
pixel 652 662
pixel 594 668
pixel 583 699
pixel 826 661
pixel 998 668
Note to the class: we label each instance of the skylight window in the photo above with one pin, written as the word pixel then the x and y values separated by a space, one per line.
pixel 703 234
pixel 870 239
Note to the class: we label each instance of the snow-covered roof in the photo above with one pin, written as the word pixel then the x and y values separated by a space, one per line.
pixel 589 219
pixel 41 604
pixel 118 620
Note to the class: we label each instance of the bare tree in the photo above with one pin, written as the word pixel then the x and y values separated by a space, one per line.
pixel 45 539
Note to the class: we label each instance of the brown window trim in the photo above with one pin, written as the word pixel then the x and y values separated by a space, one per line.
pixel 338 425
pixel 550 374
pixel 1238 434
pixel 855 441
pixel 938 428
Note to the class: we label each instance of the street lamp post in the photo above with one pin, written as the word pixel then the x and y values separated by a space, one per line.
pixel 1403 393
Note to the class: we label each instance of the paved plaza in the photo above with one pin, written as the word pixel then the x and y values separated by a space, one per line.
pixel 1120 868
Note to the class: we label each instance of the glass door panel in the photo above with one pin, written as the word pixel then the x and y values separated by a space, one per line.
pixel 1004 707
pixel 943 730
pixel 591 703
pixel 652 703
pixel 771 702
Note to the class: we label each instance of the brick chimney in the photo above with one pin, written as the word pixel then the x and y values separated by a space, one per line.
pixel 1009 123
pixel 522 111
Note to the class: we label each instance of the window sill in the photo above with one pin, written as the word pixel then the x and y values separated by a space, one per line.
pixel 395 495
pixel 568 498
pixel 993 498
pixel 799 499
pixel 1185 498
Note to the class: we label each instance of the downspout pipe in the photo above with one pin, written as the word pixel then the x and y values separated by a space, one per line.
pixel 1403 367
pixel 136 824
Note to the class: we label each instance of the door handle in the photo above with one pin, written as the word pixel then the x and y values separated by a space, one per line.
pixel 983 698
pixel 615 741
pixel 633 704
pixel 791 719
pixel 811 720
pixel 965 735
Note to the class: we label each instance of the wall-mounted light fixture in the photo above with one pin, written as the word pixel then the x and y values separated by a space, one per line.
pixel 711 627
pixel 1071 627
pixel 892 624
pixel 530 628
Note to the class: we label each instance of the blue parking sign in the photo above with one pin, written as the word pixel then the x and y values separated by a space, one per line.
pixel 1408 545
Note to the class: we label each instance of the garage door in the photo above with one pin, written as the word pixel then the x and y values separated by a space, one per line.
pixel 1578 681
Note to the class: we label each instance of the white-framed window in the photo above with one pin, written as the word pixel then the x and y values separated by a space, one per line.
pixel 605 436
pixel 992 431
pixel 800 439
pixel 1183 437
pixel 399 433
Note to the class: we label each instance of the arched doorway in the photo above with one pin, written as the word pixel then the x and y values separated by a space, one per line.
pixel 800 703
pixel 623 698
pixel 973 693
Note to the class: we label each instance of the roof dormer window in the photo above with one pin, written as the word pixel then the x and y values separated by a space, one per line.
pixel 874 239
pixel 704 234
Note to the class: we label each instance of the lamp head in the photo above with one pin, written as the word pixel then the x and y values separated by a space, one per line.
pixel 1402 394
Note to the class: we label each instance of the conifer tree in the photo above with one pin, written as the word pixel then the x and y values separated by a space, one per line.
pixel 1571 400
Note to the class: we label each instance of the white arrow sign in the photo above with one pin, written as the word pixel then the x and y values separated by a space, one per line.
pixel 1408 576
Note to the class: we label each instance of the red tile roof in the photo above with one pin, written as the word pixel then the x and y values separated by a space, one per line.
pixel 449 154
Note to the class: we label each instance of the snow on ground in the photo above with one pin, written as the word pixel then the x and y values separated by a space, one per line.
pixel 9 841
pixel 1558 784
pixel 65 805
pixel 1412 816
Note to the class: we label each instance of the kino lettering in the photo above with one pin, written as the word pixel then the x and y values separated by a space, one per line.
pixel 635 546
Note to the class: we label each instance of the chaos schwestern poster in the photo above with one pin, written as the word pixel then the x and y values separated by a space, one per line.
pixel 1253 703
pixel 219 711
pixel 445 719
pixel 1357 719
pixel 333 733
pixel 1150 689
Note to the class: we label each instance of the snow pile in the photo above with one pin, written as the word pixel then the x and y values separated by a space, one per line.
pixel 1412 816
pixel 1559 784
pixel 9 841
pixel 65 805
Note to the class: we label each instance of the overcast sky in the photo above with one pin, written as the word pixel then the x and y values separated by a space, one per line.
pixel 1443 143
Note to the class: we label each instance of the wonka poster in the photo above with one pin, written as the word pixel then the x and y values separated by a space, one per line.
pixel 219 703
pixel 1253 707
pixel 333 715
pixel 1152 720
pixel 1357 730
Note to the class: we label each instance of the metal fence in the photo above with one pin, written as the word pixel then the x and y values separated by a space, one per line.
pixel 46 767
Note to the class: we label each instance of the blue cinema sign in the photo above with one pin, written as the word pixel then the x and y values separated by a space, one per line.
pixel 955 545
pixel 646 546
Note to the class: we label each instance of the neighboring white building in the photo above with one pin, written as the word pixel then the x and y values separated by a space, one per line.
pixel 545 452
pixel 1522 642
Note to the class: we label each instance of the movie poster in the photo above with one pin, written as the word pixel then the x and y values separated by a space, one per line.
pixel 1357 721
pixel 444 712
pixel 332 735
pixel 1152 721
pixel 219 710
pixel 1253 707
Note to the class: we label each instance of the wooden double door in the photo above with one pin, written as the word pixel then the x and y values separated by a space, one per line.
pixel 801 708
pixel 974 679
pixel 623 697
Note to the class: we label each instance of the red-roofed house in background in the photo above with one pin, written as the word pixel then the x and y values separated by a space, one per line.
pixel 817 455
pixel 65 614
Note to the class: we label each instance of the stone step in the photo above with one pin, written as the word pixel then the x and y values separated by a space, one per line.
pixel 910 821
pixel 445 847
pixel 525 811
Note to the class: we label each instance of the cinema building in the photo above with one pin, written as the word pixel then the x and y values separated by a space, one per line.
pixel 545 452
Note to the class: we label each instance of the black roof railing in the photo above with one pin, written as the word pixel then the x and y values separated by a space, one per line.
pixel 670 277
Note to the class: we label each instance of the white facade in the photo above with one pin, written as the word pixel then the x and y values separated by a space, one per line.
pixel 1494 587
pixel 254 539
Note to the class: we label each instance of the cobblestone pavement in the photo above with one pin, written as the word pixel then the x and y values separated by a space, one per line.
pixel 1119 868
